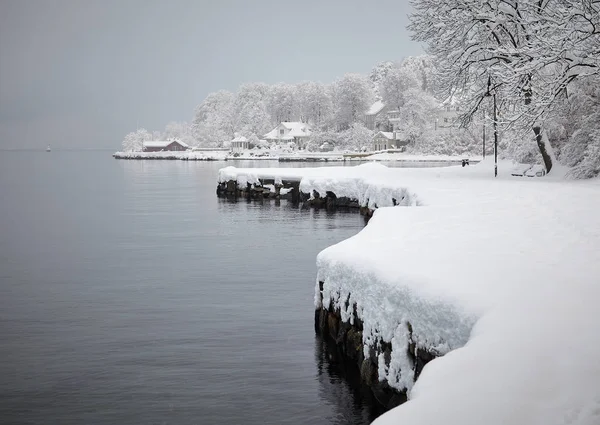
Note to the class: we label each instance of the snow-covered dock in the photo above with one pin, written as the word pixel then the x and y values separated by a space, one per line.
pixel 497 278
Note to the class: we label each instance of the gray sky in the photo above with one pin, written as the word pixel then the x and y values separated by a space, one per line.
pixel 83 73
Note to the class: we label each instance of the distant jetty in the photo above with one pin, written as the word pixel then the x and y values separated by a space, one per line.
pixel 310 157
pixel 181 156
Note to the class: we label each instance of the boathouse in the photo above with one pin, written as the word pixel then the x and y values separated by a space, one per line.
pixel 164 145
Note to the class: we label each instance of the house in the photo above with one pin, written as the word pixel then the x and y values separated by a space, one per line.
pixel 240 143
pixel 393 118
pixel 384 140
pixel 373 117
pixel 164 145
pixel 297 132
pixel 380 118
pixel 447 115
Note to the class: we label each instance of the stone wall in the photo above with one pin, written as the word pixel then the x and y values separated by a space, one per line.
pixel 231 189
pixel 348 342
pixel 345 338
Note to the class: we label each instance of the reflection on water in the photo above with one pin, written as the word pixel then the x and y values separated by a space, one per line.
pixel 340 385
pixel 130 294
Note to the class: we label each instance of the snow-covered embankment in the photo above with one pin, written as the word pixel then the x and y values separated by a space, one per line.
pixel 172 155
pixel 502 277
pixel 330 187
pixel 498 277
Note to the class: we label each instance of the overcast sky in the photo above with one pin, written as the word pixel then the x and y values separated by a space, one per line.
pixel 83 73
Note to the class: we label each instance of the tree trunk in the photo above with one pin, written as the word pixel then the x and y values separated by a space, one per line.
pixel 544 147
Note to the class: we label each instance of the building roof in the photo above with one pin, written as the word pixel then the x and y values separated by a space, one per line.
pixel 271 134
pixel 295 129
pixel 387 134
pixel 375 108
pixel 452 100
pixel 239 139
pixel 162 143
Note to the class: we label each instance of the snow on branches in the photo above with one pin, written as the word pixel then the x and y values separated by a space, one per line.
pixel 525 52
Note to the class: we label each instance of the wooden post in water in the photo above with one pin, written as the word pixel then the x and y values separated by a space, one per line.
pixel 295 193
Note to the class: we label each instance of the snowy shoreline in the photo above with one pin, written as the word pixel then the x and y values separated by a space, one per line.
pixel 178 156
pixel 304 157
pixel 481 264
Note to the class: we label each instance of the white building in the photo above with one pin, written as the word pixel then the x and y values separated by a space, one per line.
pixel 384 140
pixel 239 144
pixel 372 117
pixel 297 132
pixel 445 119
pixel 447 115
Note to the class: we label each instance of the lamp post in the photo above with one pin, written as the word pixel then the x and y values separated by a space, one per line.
pixel 495 138
pixel 495 126
pixel 484 118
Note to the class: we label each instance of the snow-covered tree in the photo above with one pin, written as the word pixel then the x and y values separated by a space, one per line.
pixel 525 52
pixel 416 113
pixel 133 142
pixel 422 69
pixel 356 137
pixel 378 74
pixel 590 164
pixel 394 85
pixel 180 131
pixel 214 119
pixel 282 103
pixel 353 95
pixel 576 127
pixel 254 141
pixel 251 109
pixel 318 137
pixel 456 143
pixel 314 103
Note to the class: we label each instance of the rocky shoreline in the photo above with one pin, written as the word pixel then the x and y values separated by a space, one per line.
pixel 347 340
pixel 289 190
pixel 344 340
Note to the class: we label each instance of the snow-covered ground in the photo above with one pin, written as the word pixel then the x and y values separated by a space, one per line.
pixel 500 275
pixel 401 156
pixel 305 155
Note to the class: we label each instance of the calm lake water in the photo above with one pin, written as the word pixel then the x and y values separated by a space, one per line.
pixel 130 294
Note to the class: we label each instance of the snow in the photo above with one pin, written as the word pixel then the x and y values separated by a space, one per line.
pixel 181 155
pixel 375 108
pixel 294 129
pixel 247 156
pixel 307 156
pixel 399 156
pixel 351 182
pixel 500 275
pixel 162 143
pixel 387 134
